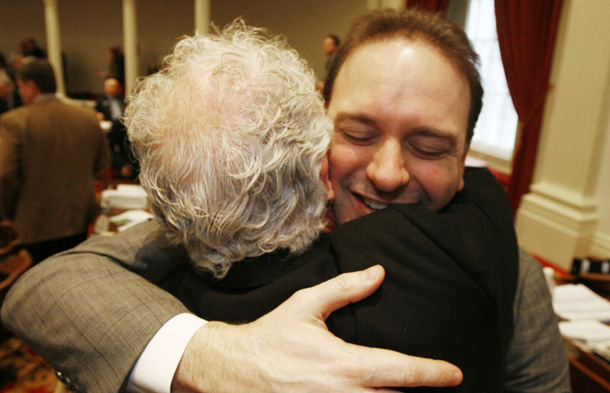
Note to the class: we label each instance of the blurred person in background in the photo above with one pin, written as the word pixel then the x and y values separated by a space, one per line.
pixel 49 156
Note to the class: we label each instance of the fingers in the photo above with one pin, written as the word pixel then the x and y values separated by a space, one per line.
pixel 342 290
pixel 430 372
pixel 353 366
pixel 389 368
pixel 379 390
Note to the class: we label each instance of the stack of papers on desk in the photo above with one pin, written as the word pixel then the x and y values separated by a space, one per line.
pixel 130 218
pixel 584 311
pixel 576 301
pixel 126 196
pixel 586 331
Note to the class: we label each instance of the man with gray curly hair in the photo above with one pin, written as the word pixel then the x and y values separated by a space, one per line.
pixel 248 104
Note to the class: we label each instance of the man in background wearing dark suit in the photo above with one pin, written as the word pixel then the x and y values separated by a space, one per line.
pixel 50 153
pixel 112 104
pixel 330 46
pixel 111 108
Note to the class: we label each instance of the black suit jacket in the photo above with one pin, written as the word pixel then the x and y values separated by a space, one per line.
pixel 103 106
pixel 120 149
pixel 448 293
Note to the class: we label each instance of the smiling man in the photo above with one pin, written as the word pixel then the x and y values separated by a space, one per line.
pixel 399 132
pixel 404 96
pixel 402 130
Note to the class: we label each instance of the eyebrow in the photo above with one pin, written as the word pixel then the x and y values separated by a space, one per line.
pixel 436 133
pixel 342 116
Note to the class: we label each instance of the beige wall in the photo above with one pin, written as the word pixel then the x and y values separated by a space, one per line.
pixel 18 20
pixel 600 245
pixel 90 27
pixel 602 237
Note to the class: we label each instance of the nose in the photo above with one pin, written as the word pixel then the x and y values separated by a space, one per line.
pixel 387 170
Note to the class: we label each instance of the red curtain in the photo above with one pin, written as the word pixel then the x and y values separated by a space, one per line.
pixel 526 33
pixel 433 6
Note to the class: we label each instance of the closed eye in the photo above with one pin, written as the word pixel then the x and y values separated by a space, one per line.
pixel 356 129
pixel 428 152
pixel 358 139
pixel 430 145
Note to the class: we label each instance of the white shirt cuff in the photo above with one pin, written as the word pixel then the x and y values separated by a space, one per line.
pixel 156 366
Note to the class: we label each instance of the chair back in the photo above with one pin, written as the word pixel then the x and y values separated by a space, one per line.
pixel 11 267
pixel 8 237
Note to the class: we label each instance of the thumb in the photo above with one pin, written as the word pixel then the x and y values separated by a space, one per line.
pixel 331 295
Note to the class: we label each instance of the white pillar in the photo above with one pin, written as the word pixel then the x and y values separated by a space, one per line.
pixel 381 4
pixel 130 40
pixel 51 16
pixel 202 16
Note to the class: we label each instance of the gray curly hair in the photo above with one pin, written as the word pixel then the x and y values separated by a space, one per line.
pixel 231 135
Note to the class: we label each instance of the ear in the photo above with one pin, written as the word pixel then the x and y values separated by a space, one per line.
pixel 326 179
pixel 32 88
pixel 31 85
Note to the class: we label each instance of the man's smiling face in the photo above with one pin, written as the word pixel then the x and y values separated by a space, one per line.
pixel 400 112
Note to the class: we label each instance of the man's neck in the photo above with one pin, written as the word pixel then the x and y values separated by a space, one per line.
pixel 41 97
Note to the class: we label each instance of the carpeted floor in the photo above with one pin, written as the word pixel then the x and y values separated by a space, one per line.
pixel 22 370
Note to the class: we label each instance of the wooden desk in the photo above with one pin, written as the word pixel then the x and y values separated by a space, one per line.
pixel 588 372
pixel 11 267
pixel 8 237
